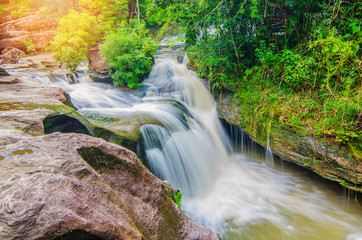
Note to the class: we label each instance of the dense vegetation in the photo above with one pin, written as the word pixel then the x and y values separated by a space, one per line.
pixel 295 63
pixel 129 51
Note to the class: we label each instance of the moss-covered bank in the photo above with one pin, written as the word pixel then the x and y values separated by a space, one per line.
pixel 321 155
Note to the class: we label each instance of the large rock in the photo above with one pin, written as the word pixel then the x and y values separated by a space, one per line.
pixel 11 55
pixel 99 69
pixel 42 39
pixel 32 23
pixel 70 184
pixel 37 27
pixel 96 64
pixel 13 34
pixel 25 105
pixel 321 156
pixel 14 42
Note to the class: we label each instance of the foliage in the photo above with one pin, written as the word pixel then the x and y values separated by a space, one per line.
pixel 129 54
pixel 75 35
pixel 295 63
pixel 30 47
pixel 109 13
pixel 178 199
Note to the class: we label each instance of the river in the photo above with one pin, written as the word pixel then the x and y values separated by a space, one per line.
pixel 236 191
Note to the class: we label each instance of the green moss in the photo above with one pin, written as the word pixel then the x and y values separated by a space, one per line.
pixel 22 152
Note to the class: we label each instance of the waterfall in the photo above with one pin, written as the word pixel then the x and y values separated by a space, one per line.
pixel 225 188
pixel 269 152
pixel 186 157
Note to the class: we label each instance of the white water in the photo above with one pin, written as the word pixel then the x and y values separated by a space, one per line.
pixel 238 195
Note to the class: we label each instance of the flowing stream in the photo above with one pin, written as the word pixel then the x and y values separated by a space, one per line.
pixel 234 191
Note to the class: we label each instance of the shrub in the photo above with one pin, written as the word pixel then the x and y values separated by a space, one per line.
pixel 30 47
pixel 129 55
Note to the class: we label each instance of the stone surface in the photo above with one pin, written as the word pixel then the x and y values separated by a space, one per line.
pixel 95 61
pixel 59 183
pixel 12 34
pixel 15 42
pixel 38 27
pixel 11 55
pixel 42 39
pixel 323 157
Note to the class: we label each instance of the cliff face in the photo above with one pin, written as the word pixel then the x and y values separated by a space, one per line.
pixel 319 155
pixel 72 185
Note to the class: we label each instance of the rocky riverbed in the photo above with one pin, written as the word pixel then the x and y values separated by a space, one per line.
pixel 71 185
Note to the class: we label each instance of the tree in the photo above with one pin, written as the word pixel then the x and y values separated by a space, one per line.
pixel 75 34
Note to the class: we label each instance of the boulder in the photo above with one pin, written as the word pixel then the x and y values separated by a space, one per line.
pixel 14 42
pixel 12 34
pixel 63 186
pixel 96 64
pixel 11 55
pixel 35 22
pixel 25 104
pixel 38 27
pixel 42 39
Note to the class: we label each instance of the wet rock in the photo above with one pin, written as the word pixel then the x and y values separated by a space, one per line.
pixel 321 156
pixel 24 105
pixel 101 77
pixel 50 64
pixel 67 185
pixel 42 60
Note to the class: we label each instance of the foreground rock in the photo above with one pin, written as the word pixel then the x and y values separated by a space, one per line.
pixel 24 105
pixel 322 157
pixel 70 184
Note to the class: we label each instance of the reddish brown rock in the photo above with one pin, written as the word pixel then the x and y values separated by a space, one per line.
pixel 37 27
pixel 96 64
pixel 12 34
pixel 11 55
pixel 32 23
pixel 57 184
pixel 14 42
pixel 42 39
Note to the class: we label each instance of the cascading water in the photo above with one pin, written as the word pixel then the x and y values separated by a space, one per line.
pixel 230 191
